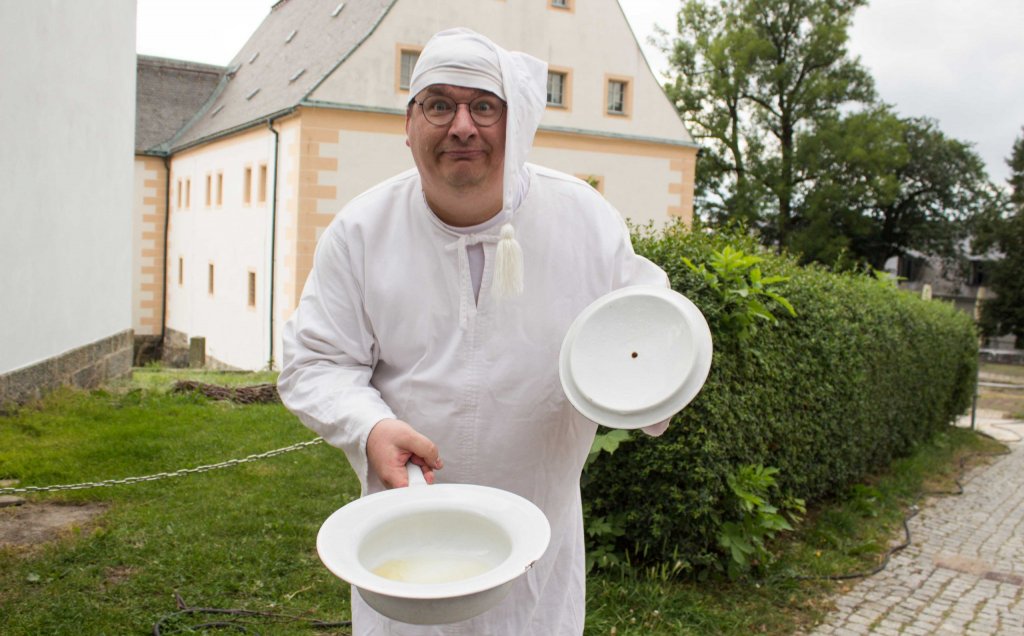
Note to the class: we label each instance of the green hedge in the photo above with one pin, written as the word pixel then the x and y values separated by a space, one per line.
pixel 858 377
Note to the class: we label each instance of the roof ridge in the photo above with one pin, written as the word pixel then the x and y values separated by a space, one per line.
pixel 170 62
pixel 168 146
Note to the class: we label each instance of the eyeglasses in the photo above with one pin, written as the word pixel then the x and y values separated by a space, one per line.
pixel 439 110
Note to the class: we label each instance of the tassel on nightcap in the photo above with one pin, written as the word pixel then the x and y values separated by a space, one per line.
pixel 508 266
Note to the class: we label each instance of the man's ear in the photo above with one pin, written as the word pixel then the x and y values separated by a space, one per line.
pixel 408 117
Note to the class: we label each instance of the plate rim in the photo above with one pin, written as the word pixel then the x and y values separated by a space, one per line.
pixel 663 410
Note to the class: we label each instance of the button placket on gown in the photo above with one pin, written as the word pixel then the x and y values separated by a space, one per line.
pixel 474 317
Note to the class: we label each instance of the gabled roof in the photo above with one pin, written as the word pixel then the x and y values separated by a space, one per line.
pixel 167 95
pixel 295 47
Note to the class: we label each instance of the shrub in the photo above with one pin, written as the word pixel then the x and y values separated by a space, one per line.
pixel 857 377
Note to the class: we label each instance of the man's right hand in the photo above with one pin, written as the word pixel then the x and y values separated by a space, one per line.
pixel 392 444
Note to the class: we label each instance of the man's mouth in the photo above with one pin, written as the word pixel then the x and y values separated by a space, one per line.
pixel 463 154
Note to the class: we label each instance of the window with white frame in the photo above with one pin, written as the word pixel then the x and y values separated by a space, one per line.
pixel 617 93
pixel 407 62
pixel 561 4
pixel 556 88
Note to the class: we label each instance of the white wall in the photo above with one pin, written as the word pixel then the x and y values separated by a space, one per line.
pixel 67 125
pixel 234 237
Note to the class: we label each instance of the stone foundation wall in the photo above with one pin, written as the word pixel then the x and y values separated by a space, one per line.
pixel 175 349
pixel 85 367
pixel 182 352
pixel 147 349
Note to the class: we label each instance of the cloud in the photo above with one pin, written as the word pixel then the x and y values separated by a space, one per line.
pixel 960 63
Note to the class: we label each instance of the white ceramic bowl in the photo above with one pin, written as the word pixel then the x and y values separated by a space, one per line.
pixel 636 356
pixel 434 554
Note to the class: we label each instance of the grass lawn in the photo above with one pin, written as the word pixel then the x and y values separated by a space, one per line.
pixel 243 537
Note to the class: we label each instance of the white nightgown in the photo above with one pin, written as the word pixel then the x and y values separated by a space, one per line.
pixel 389 326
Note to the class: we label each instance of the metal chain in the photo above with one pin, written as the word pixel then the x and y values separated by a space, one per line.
pixel 157 476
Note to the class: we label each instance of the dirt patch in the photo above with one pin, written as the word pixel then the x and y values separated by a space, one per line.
pixel 32 524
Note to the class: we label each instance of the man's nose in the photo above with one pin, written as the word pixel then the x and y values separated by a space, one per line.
pixel 462 125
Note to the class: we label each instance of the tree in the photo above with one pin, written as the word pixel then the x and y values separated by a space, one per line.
pixel 750 76
pixel 1004 314
pixel 884 186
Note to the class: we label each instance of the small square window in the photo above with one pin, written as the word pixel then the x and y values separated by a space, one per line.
pixel 556 89
pixel 561 4
pixel 617 97
pixel 408 63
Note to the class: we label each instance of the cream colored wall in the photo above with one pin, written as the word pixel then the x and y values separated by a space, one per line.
pixel 68 104
pixel 331 156
pixel 148 213
pixel 286 289
pixel 334 154
pixel 646 182
pixel 593 41
pixel 646 159
pixel 234 237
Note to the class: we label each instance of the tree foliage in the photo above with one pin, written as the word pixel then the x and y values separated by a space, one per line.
pixel 1004 314
pixel 750 76
pixel 884 185
pixel 795 146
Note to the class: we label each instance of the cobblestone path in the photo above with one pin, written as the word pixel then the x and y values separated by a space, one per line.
pixel 963 572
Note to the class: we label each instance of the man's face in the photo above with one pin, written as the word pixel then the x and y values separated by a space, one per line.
pixel 461 157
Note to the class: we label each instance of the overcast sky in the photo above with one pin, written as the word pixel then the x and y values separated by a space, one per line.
pixel 960 62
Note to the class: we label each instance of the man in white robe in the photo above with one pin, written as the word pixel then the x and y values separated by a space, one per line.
pixel 431 323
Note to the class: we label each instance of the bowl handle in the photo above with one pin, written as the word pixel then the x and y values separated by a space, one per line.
pixel 415 474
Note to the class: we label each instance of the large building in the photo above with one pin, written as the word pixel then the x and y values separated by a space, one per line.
pixel 239 169
pixel 68 99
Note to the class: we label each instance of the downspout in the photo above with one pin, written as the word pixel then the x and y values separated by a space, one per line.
pixel 167 225
pixel 273 242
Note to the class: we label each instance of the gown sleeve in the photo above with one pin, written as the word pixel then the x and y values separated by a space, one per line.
pixel 329 355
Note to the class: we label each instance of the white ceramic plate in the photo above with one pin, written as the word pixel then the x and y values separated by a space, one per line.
pixel 635 357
